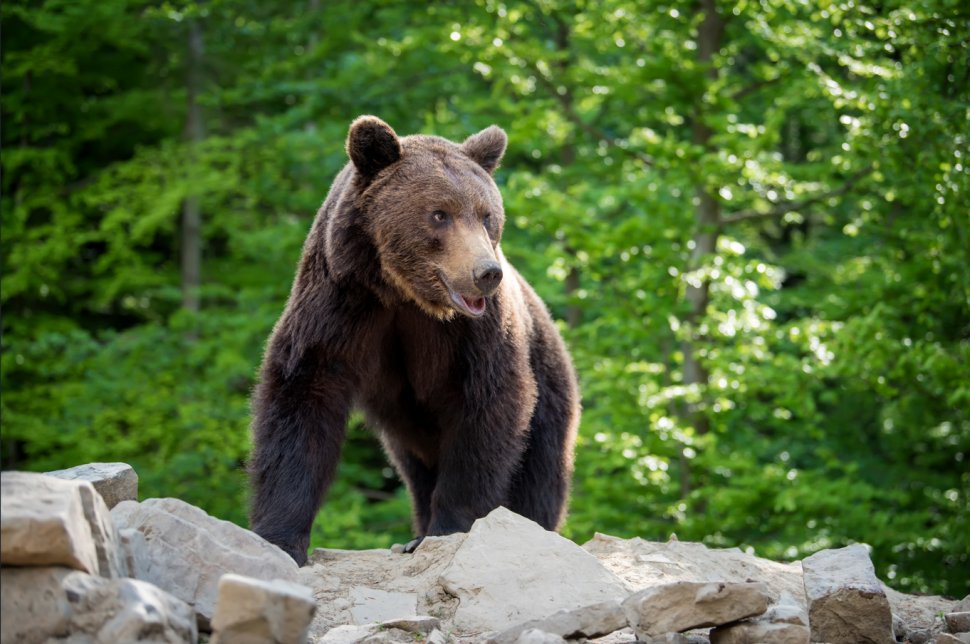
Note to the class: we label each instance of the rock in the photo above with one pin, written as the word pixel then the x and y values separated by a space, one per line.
pixel 673 638
pixel 371 605
pixel 107 543
pixel 957 622
pixel 43 603
pixel 785 622
pixel 757 632
pixel 948 638
pixel 251 611
pixel 962 606
pixel 919 616
pixel 188 551
pixel 685 605
pixel 846 602
pixel 134 552
pixel 786 611
pixel 538 636
pixel 409 630
pixel 437 637
pixel 422 624
pixel 904 632
pixel 348 634
pixel 586 622
pixel 47 521
pixel 495 590
pixel 643 564
pixel 115 482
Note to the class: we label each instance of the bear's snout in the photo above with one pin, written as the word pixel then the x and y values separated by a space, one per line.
pixel 487 275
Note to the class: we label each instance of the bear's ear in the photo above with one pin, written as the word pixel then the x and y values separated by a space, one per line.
pixel 487 147
pixel 372 145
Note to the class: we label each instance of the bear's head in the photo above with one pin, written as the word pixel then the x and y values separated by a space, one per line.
pixel 433 214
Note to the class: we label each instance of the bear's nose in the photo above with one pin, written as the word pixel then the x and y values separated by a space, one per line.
pixel 487 276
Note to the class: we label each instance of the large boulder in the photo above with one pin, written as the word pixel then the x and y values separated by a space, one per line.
pixel 47 521
pixel 510 570
pixel 53 602
pixel 188 551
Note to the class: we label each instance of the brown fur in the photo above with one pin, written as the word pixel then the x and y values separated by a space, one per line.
pixel 475 408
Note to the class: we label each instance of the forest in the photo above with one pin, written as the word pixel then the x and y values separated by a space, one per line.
pixel 749 219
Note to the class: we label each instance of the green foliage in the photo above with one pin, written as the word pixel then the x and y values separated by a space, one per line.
pixel 831 137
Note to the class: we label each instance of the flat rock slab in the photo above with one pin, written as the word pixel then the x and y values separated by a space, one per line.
pixel 252 611
pixel 115 482
pixel 682 606
pixel 188 551
pixel 642 564
pixel 758 632
pixel 370 605
pixel 846 602
pixel 47 521
pixel 52 602
pixel 510 570
pixel 587 622
pixel 416 629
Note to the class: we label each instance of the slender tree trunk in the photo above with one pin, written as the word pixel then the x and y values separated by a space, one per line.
pixel 191 210
pixel 707 223
pixel 707 212
pixel 574 312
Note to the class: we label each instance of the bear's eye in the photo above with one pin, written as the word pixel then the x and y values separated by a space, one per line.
pixel 487 220
pixel 439 216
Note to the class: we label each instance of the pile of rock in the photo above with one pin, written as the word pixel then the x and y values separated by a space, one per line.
pixel 165 571
pixel 158 571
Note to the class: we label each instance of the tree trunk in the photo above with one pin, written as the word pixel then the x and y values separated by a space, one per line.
pixel 191 210
pixel 707 223
pixel 707 213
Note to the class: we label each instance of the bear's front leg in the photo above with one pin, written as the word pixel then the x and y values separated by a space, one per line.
pixel 484 443
pixel 299 418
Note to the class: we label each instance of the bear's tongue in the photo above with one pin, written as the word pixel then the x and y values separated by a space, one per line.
pixel 475 304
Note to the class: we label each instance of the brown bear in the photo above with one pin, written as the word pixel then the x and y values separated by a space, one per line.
pixel 405 308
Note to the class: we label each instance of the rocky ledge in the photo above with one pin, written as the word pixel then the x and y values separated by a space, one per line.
pixel 83 561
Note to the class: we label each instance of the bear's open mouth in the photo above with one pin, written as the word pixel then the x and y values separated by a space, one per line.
pixel 471 306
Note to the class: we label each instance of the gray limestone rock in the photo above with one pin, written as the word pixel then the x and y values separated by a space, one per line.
pixel 44 603
pixel 47 521
pixel 587 622
pixel 757 632
pixel 785 622
pixel 188 551
pixel 252 611
pixel 370 605
pixel 846 602
pixel 682 606
pixel 406 631
pixel 510 570
pixel 115 482
pixel 538 636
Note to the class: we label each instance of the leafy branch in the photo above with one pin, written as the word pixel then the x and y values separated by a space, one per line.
pixel 782 208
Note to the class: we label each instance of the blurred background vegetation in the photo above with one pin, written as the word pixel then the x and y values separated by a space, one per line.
pixel 750 218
